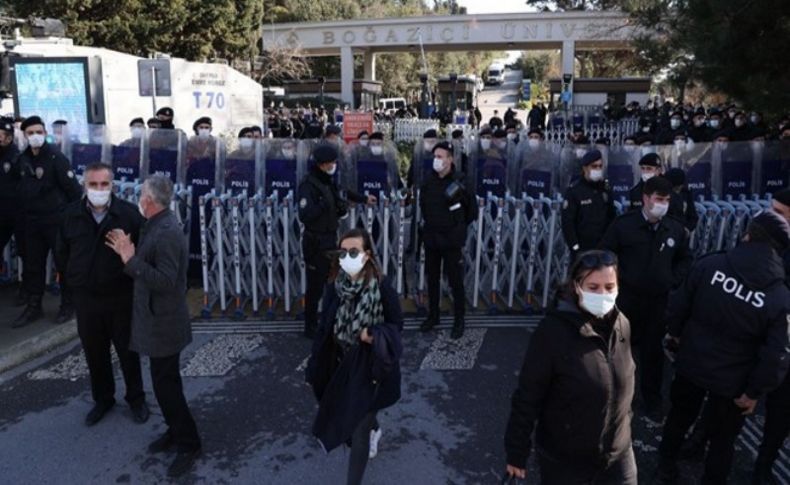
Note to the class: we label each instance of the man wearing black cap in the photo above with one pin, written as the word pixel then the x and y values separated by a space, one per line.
pixel 699 130
pixel 203 145
pixel 649 166
pixel 457 137
pixel 9 179
pixel 681 205
pixel 495 122
pixel 165 117
pixel 654 257
pixel 729 321
pixel 332 135
pixel 418 169
pixel 47 185
pixel 588 208
pixel 447 209
pixel 320 209
pixel 137 129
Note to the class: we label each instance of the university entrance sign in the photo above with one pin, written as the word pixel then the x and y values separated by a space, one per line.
pixel 568 31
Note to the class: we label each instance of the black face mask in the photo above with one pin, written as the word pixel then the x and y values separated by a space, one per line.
pixel 167 124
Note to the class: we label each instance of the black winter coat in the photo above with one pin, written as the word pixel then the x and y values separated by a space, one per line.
pixel 578 388
pixel 47 183
pixel 9 180
pixel 587 211
pixel 367 378
pixel 732 315
pixel 445 223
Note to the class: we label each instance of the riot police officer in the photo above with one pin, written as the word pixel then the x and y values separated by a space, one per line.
pixel 654 256
pixel 47 185
pixel 447 209
pixel 320 209
pixel 681 205
pixel 649 166
pixel 729 321
pixel 9 179
pixel 588 208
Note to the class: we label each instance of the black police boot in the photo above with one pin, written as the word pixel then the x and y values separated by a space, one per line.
pixel 65 314
pixel 32 313
pixel 97 413
pixel 429 323
pixel 184 461
pixel 693 449
pixel 458 328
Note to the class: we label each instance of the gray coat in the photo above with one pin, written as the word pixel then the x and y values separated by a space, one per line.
pixel 160 318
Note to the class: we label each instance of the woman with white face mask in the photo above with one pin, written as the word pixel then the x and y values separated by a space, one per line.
pixel 576 385
pixel 354 367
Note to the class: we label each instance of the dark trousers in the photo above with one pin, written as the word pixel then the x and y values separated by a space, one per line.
pixel 453 260
pixel 687 399
pixel 169 392
pixel 40 239
pixel 360 448
pixel 646 314
pixel 11 225
pixel 316 273
pixel 777 423
pixel 103 321
pixel 621 472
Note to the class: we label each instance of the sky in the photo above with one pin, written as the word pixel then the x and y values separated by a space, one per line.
pixel 495 6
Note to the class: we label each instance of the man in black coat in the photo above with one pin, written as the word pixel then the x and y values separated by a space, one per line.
pixel 649 166
pixel 588 208
pixel 102 292
pixel 653 251
pixel 47 185
pixel 447 209
pixel 730 319
pixel 9 180
pixel 681 205
pixel 160 318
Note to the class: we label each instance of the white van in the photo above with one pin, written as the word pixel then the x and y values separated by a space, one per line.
pixel 387 104
pixel 496 74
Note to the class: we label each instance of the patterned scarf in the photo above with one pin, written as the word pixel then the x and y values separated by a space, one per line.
pixel 360 307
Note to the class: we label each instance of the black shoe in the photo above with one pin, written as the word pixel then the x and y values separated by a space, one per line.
pixel 458 329
pixel 667 472
pixel 428 324
pixel 97 413
pixel 65 314
pixel 140 412
pixel 30 315
pixel 161 444
pixel 21 299
pixel 184 462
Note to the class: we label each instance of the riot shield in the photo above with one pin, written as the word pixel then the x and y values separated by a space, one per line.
pixel 772 160
pixel 202 170
pixel 571 164
pixel 735 170
pixel 126 156
pixel 163 153
pixel 537 170
pixel 491 169
pixel 243 167
pixel 697 162
pixel 283 165
pixel 87 150
pixel 621 170
pixel 421 165
pixel 371 173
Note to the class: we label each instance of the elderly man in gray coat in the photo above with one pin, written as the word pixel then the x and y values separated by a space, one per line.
pixel 160 318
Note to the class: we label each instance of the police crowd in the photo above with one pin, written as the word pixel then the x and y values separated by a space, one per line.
pixel 634 299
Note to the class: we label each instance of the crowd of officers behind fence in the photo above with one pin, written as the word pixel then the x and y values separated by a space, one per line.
pixel 722 320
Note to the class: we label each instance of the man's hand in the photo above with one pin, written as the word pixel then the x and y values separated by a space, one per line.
pixel 121 243
pixel 516 472
pixel 746 403
pixel 372 199
pixel 365 336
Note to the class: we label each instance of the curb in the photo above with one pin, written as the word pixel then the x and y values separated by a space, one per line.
pixel 38 345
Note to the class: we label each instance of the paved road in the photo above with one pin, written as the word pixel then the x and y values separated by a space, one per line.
pixel 245 384
pixel 501 97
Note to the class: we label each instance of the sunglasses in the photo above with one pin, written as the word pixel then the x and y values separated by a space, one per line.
pixel 597 259
pixel 342 253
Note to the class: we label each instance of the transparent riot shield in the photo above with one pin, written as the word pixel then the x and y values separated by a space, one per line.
pixel 537 170
pixel 735 175
pixel 163 153
pixel 283 166
pixel 697 162
pixel 621 170
pixel 372 169
pixel 243 167
pixel 421 165
pixel 87 150
pixel 126 155
pixel 772 160
pixel 571 164
pixel 491 169
pixel 202 172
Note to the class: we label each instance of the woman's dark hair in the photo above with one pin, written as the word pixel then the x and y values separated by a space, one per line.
pixel 371 269
pixel 584 264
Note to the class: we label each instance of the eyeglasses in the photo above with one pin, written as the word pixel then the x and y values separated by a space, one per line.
pixel 595 259
pixel 342 253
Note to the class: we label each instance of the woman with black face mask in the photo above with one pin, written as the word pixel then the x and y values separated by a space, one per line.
pixel 577 384
pixel 354 367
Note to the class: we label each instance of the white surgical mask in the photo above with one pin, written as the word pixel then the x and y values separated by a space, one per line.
pixel 376 149
pixel 739 122
pixel 680 144
pixel 580 152
pixel 428 145
pixel 511 136
pixel 755 119
pixel 674 123
pixel 533 143
pixel 647 176
pixel 659 210
pixel 246 143
pixel 485 143
pixel 629 148
pixel 699 122
pixel 596 175
pixel 204 133
pixel 36 141
pixel 363 143
pixel 714 123
pixel 352 266
pixel 645 129
pixel 288 153
pixel 98 198
pixel 137 132
pixel 333 169
pixel 597 304
pixel 438 164
pixel 646 150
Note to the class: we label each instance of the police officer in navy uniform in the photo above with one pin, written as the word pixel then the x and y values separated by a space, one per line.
pixel 588 208
pixel 654 256
pixel 47 185
pixel 9 179
pixel 447 209
pixel 681 205
pixel 320 209
pixel 729 321
pixel 649 167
